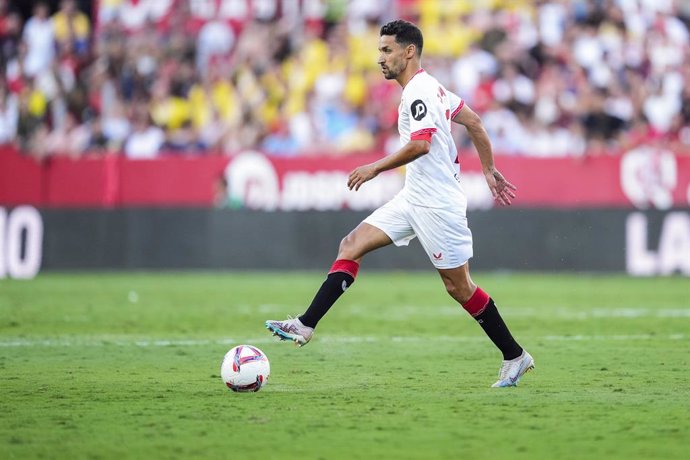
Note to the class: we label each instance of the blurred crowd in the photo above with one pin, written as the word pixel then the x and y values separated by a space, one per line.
pixel 549 78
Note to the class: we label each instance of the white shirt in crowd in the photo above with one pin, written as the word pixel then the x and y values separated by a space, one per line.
pixel 40 40
pixel 144 144
pixel 9 116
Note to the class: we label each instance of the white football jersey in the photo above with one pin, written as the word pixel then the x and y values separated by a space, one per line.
pixel 425 112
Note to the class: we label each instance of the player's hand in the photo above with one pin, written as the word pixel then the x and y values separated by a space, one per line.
pixel 361 175
pixel 502 190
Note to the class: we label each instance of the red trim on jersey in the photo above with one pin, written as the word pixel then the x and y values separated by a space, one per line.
pixel 346 266
pixel 477 303
pixel 456 111
pixel 423 134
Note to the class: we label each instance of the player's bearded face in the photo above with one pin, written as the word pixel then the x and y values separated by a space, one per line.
pixel 391 57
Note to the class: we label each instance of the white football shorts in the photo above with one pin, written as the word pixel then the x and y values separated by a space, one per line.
pixel 442 232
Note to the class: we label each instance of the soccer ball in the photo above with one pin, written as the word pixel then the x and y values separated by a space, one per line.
pixel 245 368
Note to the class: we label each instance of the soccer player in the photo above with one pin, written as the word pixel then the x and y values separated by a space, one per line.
pixel 431 205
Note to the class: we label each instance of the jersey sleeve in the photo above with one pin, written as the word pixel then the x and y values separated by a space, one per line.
pixel 456 103
pixel 422 125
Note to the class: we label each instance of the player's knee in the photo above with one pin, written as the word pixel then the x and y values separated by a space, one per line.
pixel 347 249
pixel 459 291
pixel 452 290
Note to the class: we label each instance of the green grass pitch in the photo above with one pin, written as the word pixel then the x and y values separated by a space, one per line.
pixel 127 366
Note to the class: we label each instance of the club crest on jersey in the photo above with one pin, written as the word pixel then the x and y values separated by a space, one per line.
pixel 418 109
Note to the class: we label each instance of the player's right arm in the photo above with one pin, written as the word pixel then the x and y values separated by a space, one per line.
pixel 501 189
pixel 408 153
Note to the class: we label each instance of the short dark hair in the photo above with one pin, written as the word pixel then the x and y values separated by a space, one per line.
pixel 405 34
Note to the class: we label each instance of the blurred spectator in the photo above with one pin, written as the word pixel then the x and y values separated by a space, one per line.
pixel 146 139
pixel 33 110
pixel 279 141
pixel 660 108
pixel 70 139
pixel 98 142
pixel 513 87
pixel 39 37
pixel 72 26
pixel 4 17
pixel 9 116
pixel 184 139
pixel 601 127
pixel 10 34
pixel 115 125
pixel 214 43
pixel 507 133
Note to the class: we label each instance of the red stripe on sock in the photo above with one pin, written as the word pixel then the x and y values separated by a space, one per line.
pixel 477 303
pixel 343 265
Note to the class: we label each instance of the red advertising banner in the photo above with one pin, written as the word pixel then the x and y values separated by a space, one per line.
pixel 642 178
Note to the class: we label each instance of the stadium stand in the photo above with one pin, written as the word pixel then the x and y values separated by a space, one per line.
pixel 550 78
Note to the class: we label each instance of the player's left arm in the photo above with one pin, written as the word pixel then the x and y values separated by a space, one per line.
pixel 501 189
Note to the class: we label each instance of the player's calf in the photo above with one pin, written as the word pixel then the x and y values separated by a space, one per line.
pixel 484 311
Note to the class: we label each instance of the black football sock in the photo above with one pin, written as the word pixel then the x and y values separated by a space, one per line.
pixel 494 326
pixel 341 277
pixel 483 309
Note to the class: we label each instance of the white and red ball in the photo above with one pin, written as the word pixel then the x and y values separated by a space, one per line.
pixel 245 368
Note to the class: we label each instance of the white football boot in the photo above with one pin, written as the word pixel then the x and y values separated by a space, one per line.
pixel 291 329
pixel 512 370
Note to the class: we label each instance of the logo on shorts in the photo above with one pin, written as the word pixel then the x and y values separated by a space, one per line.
pixel 418 109
pixel 438 256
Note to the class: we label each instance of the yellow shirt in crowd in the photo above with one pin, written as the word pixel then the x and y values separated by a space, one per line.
pixel 80 27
